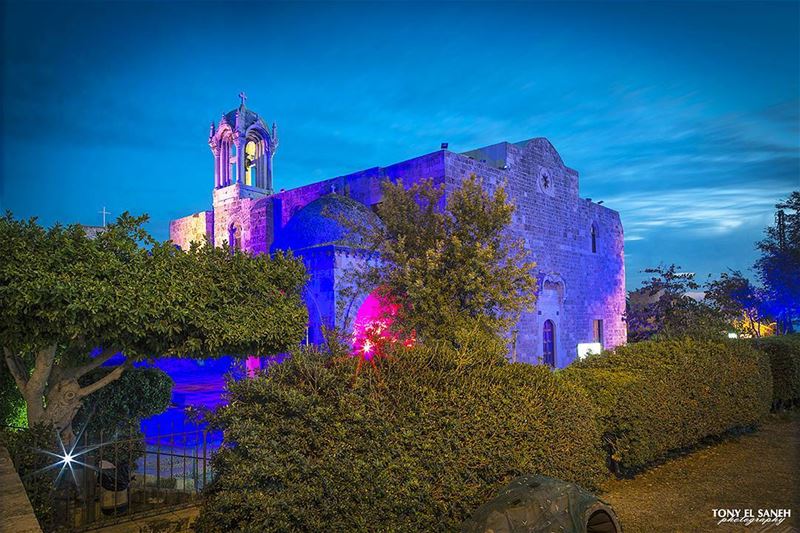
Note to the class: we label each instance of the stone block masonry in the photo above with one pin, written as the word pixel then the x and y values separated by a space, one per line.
pixel 577 244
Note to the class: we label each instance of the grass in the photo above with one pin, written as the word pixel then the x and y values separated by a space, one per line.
pixel 759 470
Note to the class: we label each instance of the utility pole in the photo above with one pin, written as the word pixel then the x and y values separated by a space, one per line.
pixel 780 223
pixel 785 321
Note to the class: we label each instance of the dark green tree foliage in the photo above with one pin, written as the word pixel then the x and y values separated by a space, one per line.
pixel 12 405
pixel 778 267
pixel 738 302
pixel 119 407
pixel 416 447
pixel 658 397
pixel 449 263
pixel 31 466
pixel 784 359
pixel 662 308
pixel 63 294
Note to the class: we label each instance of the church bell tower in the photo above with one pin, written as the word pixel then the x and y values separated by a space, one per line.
pixel 243 147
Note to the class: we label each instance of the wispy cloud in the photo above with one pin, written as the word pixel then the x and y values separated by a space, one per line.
pixel 695 211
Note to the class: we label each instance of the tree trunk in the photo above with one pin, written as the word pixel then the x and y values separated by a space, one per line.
pixel 52 394
pixel 63 402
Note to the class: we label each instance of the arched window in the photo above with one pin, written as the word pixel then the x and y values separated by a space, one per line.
pixel 594 239
pixel 257 158
pixel 549 343
pixel 232 158
pixel 250 156
pixel 234 240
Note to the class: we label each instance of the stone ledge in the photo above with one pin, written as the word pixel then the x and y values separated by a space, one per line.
pixel 16 513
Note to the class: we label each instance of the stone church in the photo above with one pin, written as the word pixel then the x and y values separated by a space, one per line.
pixel 577 244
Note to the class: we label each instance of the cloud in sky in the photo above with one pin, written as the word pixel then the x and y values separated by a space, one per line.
pixel 701 212
pixel 669 115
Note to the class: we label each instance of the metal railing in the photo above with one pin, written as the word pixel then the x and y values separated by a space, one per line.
pixel 123 479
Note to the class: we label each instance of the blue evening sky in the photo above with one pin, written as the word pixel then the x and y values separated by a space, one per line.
pixel 685 117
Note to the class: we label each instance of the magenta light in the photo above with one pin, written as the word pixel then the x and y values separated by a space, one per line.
pixel 372 325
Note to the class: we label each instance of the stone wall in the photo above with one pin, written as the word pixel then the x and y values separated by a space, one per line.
pixel 363 186
pixel 576 285
pixel 194 228
pixel 249 211
pixel 319 294
pixel 16 513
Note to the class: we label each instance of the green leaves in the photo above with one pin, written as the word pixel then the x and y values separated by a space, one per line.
pixel 124 289
pixel 416 448
pixel 656 397
pixel 663 309
pixel 450 260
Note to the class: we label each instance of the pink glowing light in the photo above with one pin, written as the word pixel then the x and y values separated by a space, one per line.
pixel 372 331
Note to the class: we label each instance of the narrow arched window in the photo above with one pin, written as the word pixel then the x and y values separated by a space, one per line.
pixel 233 238
pixel 594 239
pixel 549 343
pixel 232 159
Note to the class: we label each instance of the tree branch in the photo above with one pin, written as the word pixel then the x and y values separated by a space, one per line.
pixel 105 380
pixel 101 358
pixel 41 371
pixel 17 369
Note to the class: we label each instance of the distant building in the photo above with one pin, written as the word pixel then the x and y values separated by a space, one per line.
pixel 577 244
pixel 93 231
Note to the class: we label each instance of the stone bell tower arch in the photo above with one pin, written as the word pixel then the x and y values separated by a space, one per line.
pixel 243 147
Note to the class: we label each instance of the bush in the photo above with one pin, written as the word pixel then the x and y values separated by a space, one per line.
pixel 416 446
pixel 12 405
pixel 784 359
pixel 118 408
pixel 31 465
pixel 656 397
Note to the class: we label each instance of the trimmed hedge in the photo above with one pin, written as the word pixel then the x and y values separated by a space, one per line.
pixel 784 359
pixel 656 397
pixel 415 447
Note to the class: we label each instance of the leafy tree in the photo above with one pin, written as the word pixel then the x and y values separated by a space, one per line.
pixel 139 393
pixel 662 308
pixel 738 301
pixel 778 267
pixel 63 294
pixel 448 263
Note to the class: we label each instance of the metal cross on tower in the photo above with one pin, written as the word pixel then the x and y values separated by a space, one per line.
pixel 243 97
pixel 104 213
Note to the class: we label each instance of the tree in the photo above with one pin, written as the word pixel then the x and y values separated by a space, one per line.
pixel 738 302
pixel 62 295
pixel 662 308
pixel 120 406
pixel 447 264
pixel 778 267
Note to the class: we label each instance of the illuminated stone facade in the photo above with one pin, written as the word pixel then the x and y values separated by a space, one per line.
pixel 577 244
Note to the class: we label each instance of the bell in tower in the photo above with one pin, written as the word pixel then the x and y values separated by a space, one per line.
pixel 243 148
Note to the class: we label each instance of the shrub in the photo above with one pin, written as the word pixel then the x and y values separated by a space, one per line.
pixel 784 360
pixel 31 465
pixel 414 447
pixel 12 405
pixel 119 407
pixel 656 397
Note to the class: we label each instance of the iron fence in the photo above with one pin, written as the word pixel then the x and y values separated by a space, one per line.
pixel 105 481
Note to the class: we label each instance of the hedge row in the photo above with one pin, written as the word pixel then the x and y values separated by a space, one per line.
pixel 784 359
pixel 416 447
pixel 658 397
